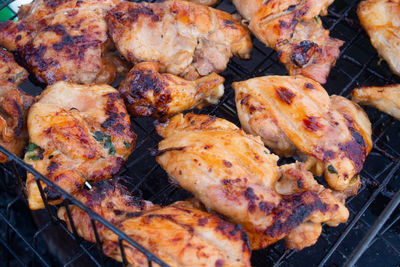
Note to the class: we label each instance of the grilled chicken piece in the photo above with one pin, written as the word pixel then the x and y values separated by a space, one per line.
pixel 204 2
pixel 234 174
pixel 76 133
pixel 186 39
pixel 296 115
pixel 64 40
pixel 385 98
pixel 150 93
pixel 381 21
pixel 14 104
pixel 294 30
pixel 181 234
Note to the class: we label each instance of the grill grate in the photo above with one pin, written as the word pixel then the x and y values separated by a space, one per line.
pixel 22 243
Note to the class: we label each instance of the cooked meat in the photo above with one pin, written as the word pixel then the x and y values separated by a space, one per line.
pixel 296 115
pixel 150 93
pixel 295 31
pixel 186 39
pixel 234 174
pixel 381 20
pixel 304 235
pixel 385 98
pixel 14 104
pixel 204 2
pixel 76 133
pixel 180 234
pixel 64 40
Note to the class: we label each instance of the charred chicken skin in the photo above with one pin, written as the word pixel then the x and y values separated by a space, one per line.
pixel 14 105
pixel 294 114
pixel 381 21
pixel 235 175
pixel 76 133
pixel 150 93
pixel 295 31
pixel 64 40
pixel 181 234
pixel 385 98
pixel 186 39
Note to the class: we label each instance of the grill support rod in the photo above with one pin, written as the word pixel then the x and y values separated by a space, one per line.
pixel 373 231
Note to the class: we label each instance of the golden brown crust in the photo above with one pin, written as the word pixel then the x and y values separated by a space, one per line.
pixel 186 39
pixel 150 93
pixel 78 132
pixel 294 30
pixel 64 40
pixel 181 234
pixel 235 175
pixel 303 116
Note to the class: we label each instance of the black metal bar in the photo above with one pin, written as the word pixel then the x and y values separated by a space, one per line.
pixel 99 243
pixel 364 244
pixel 71 221
pixel 122 249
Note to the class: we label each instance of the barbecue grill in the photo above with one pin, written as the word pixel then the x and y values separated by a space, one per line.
pixel 371 235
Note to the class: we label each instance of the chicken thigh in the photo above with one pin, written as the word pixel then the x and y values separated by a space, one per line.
pixel 294 114
pixel 76 133
pixel 150 93
pixel 235 175
pixel 294 30
pixel 186 39
pixel 64 40
pixel 181 234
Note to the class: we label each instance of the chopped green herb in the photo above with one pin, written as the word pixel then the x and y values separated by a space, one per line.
pixel 18 75
pixel 127 145
pixel 106 140
pixel 266 152
pixel 111 151
pixel 332 169
pixel 31 146
pixel 34 152
pixel 316 19
pixel 99 136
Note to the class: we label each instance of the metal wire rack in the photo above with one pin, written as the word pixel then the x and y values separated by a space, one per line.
pixel 372 232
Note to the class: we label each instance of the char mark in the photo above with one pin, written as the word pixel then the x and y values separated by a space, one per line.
pixel 285 95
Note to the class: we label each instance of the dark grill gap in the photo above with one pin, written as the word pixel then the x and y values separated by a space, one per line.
pixel 39 239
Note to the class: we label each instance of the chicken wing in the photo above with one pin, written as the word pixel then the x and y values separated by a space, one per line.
pixel 64 40
pixel 235 175
pixel 181 234
pixel 381 21
pixel 150 93
pixel 14 104
pixel 295 31
pixel 76 133
pixel 186 39
pixel 295 114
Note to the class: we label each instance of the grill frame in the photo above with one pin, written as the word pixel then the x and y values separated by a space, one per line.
pixel 146 177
